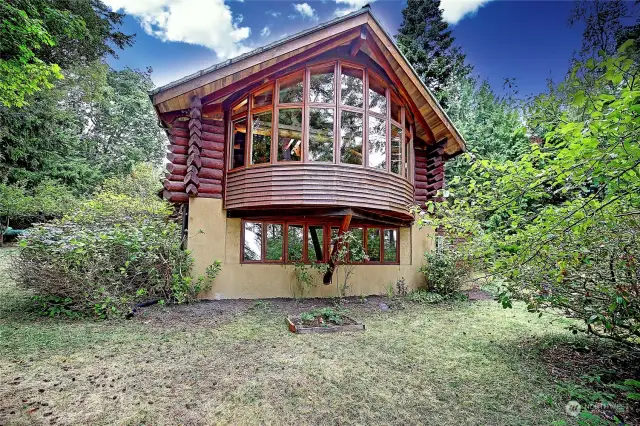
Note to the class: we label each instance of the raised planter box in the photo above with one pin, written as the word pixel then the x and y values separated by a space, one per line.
pixel 296 326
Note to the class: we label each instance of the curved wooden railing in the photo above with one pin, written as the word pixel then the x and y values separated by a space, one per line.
pixel 309 185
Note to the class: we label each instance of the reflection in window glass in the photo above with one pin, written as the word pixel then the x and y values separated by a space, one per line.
pixel 239 140
pixel 356 246
pixel 315 243
pixel 291 89
pixel 406 156
pixel 395 110
pixel 377 143
pixel 263 98
pixel 351 137
pixel 373 244
pixel 275 241
pixel 351 86
pixel 321 134
pixel 252 241
pixel 377 97
pixel 334 240
pixel 290 134
pixel 321 85
pixel 295 238
pixel 390 245
pixel 261 138
pixel 396 146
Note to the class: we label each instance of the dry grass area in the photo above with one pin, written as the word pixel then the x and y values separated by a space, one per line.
pixel 235 363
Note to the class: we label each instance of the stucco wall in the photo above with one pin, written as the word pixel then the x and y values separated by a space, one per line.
pixel 213 236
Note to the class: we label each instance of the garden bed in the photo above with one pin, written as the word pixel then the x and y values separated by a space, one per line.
pixel 325 320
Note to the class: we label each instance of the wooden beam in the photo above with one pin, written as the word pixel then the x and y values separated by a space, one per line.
pixel 384 63
pixel 326 280
pixel 302 57
pixel 357 43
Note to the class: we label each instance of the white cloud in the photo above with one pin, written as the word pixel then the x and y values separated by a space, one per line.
pixel 454 11
pixel 266 31
pixel 273 14
pixel 305 10
pixel 347 6
pixel 209 23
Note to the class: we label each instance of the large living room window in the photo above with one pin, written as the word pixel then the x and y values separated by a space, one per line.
pixel 337 112
pixel 265 241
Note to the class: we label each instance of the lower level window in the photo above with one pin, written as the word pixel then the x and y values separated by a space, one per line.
pixel 266 241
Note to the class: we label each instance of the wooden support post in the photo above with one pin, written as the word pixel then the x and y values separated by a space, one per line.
pixel 326 280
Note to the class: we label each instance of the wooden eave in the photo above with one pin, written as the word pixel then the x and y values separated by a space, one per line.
pixel 360 30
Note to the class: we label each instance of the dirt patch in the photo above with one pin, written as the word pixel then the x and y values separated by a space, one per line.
pixel 593 370
pixel 213 313
pixel 477 294
pixel 205 314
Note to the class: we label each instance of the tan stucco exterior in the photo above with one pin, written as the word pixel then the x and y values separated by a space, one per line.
pixel 213 236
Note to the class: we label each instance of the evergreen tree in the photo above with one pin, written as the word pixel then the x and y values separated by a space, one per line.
pixel 426 40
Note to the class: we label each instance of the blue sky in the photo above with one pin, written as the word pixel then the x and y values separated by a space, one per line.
pixel 529 41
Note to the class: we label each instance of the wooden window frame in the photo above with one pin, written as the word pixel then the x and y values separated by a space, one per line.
pixel 242 240
pixel 307 110
pixel 337 107
pixel 327 226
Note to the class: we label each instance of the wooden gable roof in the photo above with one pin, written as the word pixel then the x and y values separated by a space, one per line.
pixel 360 30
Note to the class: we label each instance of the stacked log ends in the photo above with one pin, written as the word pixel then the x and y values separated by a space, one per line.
pixel 196 156
pixel 429 173
pixel 194 163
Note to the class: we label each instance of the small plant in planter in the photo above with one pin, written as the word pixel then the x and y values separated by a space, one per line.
pixel 323 316
pixel 322 320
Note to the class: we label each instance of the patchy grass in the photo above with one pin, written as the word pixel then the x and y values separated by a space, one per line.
pixel 236 363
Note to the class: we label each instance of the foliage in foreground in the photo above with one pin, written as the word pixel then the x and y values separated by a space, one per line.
pixel 41 37
pixel 118 249
pixel 561 223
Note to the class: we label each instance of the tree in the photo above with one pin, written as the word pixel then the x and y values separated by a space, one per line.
pixel 492 126
pixel 97 122
pixel 426 41
pixel 41 37
pixel 560 223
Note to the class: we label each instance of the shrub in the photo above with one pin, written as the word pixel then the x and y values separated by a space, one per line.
pixel 444 272
pixel 115 251
pixel 423 296
pixel 593 276
pixel 19 206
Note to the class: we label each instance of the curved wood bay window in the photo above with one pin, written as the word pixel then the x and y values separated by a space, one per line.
pixel 338 112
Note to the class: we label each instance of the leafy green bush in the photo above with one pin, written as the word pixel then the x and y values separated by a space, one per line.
pixel 20 207
pixel 444 272
pixel 116 250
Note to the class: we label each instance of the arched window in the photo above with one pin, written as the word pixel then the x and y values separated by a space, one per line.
pixel 338 112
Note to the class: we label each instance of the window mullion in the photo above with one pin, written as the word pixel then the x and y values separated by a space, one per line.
pixel 365 127
pixel 248 144
pixel 387 94
pixel 338 119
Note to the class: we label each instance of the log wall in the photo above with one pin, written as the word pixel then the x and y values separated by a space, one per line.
pixel 196 157
pixel 429 172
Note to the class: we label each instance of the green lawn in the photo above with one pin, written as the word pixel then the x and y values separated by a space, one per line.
pixel 236 363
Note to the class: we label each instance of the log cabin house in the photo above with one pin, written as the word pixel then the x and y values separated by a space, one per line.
pixel 278 151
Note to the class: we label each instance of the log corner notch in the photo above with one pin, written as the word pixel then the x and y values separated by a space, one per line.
pixel 196 156
pixel 194 163
pixel 429 172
